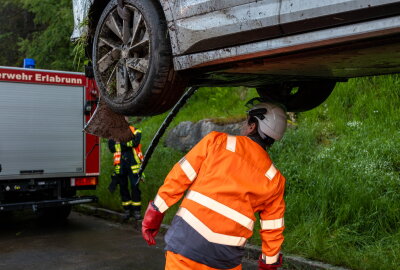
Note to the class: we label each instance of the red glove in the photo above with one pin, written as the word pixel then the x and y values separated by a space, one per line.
pixel 151 223
pixel 275 266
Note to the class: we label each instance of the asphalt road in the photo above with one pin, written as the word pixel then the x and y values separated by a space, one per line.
pixel 82 243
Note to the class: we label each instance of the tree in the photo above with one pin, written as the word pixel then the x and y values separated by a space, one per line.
pixel 51 46
pixel 16 24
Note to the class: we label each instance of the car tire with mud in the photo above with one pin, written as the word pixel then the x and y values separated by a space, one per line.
pixel 298 96
pixel 132 59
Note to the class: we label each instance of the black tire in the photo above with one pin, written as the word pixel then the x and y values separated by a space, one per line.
pixel 54 214
pixel 308 95
pixel 145 82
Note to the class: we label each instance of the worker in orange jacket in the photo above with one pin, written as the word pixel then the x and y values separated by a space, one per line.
pixel 229 179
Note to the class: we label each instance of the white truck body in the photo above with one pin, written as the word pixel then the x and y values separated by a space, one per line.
pixel 41 130
pixel 44 154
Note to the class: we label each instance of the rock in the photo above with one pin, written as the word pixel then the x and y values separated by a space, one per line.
pixel 187 134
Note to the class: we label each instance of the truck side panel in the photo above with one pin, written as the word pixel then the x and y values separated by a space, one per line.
pixel 41 129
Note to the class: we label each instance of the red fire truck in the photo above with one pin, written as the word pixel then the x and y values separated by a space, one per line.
pixel 45 156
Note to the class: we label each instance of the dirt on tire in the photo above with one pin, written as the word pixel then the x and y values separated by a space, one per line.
pixel 107 124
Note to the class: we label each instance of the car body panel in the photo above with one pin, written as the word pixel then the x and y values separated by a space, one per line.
pixel 189 8
pixel 315 39
pixel 81 11
pixel 199 31
pixel 299 10
pixel 220 35
pixel 299 16
pixel 201 25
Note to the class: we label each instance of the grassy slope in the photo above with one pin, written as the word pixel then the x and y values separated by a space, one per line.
pixel 342 165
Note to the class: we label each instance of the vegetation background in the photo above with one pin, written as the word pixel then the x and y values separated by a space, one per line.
pixel 341 160
pixel 38 29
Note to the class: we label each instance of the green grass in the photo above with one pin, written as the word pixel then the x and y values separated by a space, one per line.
pixel 341 161
pixel 342 164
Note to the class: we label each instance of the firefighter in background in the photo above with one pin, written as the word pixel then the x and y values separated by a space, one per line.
pixel 230 178
pixel 127 160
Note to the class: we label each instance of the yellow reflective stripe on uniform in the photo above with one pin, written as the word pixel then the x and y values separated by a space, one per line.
pixel 135 168
pixel 221 209
pixel 126 203
pixel 160 203
pixel 271 172
pixel 129 144
pixel 231 143
pixel 135 155
pixel 137 131
pixel 207 233
pixel 188 169
pixel 272 224
pixel 118 147
pixel 270 259
pixel 136 203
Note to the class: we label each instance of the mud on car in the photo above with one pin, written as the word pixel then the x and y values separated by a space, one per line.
pixel 146 52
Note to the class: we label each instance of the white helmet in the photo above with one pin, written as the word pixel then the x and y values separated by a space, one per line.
pixel 271 120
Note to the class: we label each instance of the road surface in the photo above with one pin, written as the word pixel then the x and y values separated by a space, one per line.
pixel 83 243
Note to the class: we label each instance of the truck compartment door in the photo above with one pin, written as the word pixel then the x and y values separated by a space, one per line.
pixel 41 129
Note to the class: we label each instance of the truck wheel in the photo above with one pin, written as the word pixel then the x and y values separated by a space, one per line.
pixel 132 59
pixel 298 97
pixel 54 214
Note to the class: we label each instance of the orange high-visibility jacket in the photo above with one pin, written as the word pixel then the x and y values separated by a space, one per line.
pixel 230 178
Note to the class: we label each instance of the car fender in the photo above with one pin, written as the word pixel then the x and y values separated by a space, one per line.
pixel 81 11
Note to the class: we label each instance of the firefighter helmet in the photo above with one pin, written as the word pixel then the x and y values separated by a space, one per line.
pixel 271 119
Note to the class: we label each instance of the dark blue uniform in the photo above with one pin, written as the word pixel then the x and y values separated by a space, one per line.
pixel 128 169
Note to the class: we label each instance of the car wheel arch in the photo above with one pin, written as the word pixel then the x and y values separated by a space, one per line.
pixel 96 9
pixel 158 86
pixel 309 94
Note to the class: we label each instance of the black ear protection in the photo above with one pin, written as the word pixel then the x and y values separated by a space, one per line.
pixel 259 113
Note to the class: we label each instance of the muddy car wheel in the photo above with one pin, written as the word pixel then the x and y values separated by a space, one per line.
pixel 300 96
pixel 132 59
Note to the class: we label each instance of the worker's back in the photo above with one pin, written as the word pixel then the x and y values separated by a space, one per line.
pixel 232 178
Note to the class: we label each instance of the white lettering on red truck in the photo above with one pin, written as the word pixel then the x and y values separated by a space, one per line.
pixel 18 75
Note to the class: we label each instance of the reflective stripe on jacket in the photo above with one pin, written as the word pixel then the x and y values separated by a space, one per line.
pixel 183 239
pixel 117 154
pixel 138 148
pixel 229 179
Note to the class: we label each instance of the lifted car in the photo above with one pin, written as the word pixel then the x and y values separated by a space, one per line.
pixel 146 52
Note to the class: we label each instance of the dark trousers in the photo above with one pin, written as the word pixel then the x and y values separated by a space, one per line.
pixel 130 199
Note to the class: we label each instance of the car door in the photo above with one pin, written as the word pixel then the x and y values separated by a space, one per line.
pixel 202 25
pixel 298 16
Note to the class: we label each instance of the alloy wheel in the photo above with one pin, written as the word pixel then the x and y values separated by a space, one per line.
pixel 122 53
